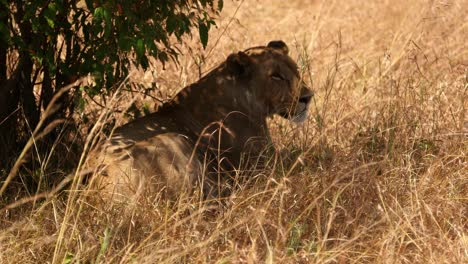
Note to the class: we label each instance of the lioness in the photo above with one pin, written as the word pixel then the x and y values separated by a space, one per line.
pixel 206 130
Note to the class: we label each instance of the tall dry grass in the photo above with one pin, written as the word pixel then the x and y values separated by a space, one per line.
pixel 385 178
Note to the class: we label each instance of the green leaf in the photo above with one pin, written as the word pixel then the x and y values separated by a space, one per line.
pixel 52 8
pixel 140 48
pixel 50 22
pixel 104 244
pixel 37 59
pixel 146 108
pixel 68 258
pixel 98 14
pixel 203 30
pixel 81 104
pixel 50 13
pixel 220 5
pixel 108 25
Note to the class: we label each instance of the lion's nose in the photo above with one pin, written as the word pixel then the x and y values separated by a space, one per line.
pixel 306 98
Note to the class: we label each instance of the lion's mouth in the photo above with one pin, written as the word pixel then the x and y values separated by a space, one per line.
pixel 298 116
pixel 285 115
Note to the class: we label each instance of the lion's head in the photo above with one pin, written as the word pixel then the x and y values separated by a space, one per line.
pixel 271 80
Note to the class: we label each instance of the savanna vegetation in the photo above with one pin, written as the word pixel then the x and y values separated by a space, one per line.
pixel 384 171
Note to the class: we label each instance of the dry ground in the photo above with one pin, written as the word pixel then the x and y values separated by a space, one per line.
pixel 385 178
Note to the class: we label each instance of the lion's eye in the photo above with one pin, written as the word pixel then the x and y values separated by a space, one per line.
pixel 277 77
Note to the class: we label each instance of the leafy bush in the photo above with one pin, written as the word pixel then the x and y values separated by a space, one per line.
pixel 48 44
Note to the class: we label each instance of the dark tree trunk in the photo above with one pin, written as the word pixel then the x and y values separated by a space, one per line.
pixel 46 89
pixel 27 99
pixel 9 101
pixel 3 62
pixel 17 96
pixel 3 50
pixel 5 86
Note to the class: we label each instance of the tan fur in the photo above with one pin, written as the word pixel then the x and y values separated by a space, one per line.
pixel 206 130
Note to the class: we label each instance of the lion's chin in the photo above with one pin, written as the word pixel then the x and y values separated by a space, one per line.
pixel 300 118
pixel 296 118
pixel 301 113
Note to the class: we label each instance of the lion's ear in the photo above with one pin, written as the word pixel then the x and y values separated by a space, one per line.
pixel 279 45
pixel 239 63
